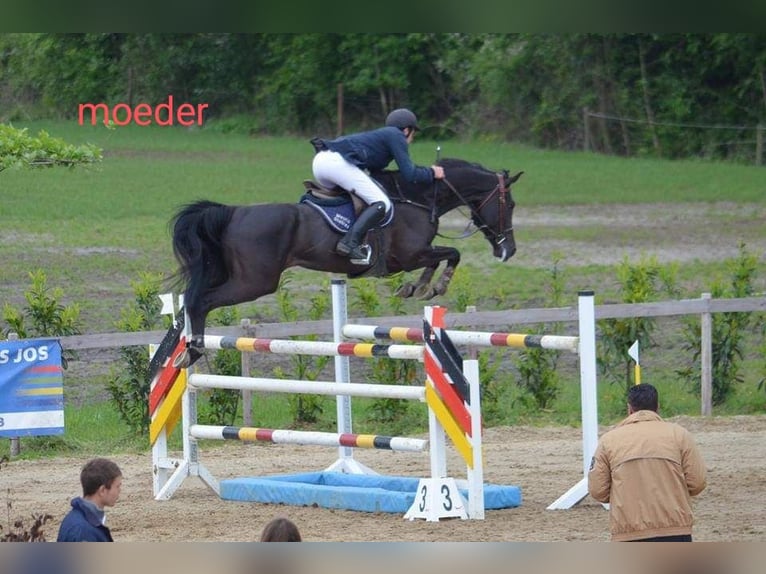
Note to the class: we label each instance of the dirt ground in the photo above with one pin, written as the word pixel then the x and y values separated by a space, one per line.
pixel 543 462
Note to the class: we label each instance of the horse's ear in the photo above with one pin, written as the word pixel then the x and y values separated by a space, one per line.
pixel 511 179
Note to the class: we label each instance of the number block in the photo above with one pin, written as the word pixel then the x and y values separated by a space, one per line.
pixel 437 498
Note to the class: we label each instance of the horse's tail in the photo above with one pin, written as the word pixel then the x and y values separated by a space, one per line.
pixel 197 231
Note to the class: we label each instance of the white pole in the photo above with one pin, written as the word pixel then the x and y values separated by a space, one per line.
pixel 589 395
pixel 370 390
pixel 588 398
pixel 342 370
pixel 475 474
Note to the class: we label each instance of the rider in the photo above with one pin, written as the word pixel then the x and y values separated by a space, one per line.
pixel 345 161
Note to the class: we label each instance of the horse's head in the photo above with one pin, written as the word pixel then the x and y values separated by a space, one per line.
pixel 488 195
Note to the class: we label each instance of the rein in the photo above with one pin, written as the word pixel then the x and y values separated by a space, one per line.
pixel 475 212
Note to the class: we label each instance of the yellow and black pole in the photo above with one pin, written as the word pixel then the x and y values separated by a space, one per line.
pixel 633 353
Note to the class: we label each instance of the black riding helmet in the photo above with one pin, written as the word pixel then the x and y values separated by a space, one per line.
pixel 402 118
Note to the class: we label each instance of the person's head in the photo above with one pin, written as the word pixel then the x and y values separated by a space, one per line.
pixel 280 530
pixel 642 397
pixel 405 120
pixel 101 481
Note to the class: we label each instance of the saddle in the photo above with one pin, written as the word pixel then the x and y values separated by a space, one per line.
pixel 339 209
pixel 335 196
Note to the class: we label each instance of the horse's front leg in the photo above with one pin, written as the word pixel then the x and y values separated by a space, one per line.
pixel 430 260
pixel 409 288
pixel 452 257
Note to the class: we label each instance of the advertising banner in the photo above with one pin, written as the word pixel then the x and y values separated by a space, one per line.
pixel 31 388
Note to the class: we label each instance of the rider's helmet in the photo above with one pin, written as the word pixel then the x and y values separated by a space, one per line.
pixel 402 118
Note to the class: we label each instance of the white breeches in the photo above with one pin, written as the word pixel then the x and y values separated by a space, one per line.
pixel 331 169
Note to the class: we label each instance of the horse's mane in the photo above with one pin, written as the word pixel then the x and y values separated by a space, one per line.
pixel 447 162
pixel 452 162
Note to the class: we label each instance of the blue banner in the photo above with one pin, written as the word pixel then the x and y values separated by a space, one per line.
pixel 31 388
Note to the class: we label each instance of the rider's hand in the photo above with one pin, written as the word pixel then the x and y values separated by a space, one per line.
pixel 438 171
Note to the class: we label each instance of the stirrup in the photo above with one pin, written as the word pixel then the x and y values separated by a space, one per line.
pixel 361 254
pixel 342 248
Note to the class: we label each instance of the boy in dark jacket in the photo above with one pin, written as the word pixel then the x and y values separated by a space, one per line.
pixel 101 481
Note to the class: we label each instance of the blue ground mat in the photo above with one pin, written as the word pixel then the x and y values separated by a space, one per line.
pixel 361 492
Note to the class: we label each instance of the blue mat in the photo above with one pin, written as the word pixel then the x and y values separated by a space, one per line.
pixel 361 492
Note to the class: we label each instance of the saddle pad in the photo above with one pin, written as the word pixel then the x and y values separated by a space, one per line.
pixel 338 212
pixel 339 215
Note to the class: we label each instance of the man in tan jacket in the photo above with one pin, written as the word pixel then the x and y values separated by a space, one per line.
pixel 647 469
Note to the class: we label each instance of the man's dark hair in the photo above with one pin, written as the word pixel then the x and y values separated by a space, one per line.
pixel 97 473
pixel 643 397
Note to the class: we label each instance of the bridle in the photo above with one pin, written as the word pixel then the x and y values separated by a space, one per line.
pixel 481 225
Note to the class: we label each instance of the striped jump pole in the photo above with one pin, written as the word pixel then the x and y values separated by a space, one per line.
pixel 473 338
pixel 322 348
pixel 280 436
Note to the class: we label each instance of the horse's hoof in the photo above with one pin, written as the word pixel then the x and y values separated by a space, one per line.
pixel 425 292
pixel 440 290
pixel 182 360
pixel 405 291
pixel 186 358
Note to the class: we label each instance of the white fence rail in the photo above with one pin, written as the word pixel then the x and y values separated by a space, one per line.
pixel 705 307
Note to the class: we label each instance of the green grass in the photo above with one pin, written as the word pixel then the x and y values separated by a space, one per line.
pixel 93 230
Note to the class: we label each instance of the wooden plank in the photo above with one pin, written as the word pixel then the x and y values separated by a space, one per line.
pixel 477 319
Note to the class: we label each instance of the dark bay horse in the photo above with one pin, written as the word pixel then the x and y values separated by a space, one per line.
pixel 234 254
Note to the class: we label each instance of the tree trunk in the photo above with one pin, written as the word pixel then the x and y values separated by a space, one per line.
pixel 647 102
pixel 763 84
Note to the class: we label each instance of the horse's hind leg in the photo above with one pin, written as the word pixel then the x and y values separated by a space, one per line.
pixel 440 288
pixel 233 292
pixel 194 346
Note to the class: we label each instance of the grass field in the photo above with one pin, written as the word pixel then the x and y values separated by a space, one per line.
pixel 95 230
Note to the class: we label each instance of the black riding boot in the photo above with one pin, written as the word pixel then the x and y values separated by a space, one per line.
pixel 351 244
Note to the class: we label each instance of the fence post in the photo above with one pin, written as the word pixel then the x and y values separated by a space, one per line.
pixel 473 352
pixel 706 358
pixel 586 130
pixel 759 144
pixel 15 448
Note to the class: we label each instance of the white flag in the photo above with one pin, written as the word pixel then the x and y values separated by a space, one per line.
pixel 167 304
pixel 633 352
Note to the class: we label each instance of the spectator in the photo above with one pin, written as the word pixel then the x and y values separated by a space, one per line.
pixel 281 530
pixel 101 481
pixel 647 469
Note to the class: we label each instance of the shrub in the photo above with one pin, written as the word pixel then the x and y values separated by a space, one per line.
pixel 639 283
pixel 538 377
pixel 305 409
pixel 729 331
pixel 44 315
pixel 129 383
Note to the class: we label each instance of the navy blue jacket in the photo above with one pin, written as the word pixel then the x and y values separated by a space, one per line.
pixel 82 524
pixel 374 150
